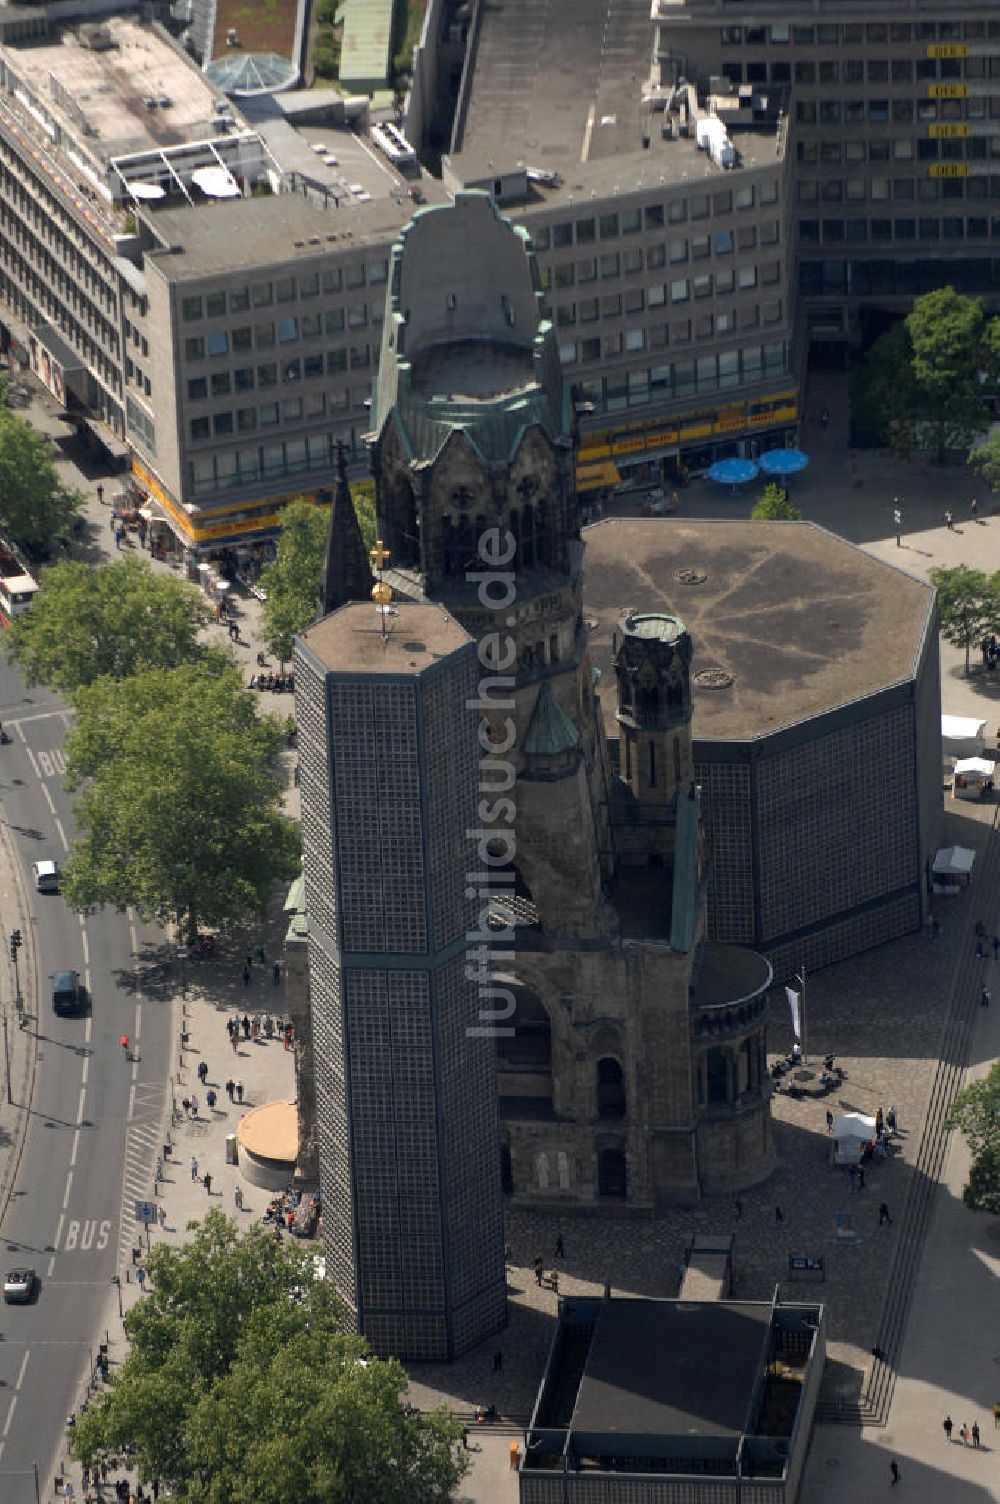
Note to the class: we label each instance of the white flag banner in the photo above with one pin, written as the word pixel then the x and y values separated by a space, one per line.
pixel 793 1003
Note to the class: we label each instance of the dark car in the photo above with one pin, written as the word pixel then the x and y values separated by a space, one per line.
pixel 67 993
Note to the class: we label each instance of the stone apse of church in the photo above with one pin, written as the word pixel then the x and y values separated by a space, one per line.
pixel 615 1085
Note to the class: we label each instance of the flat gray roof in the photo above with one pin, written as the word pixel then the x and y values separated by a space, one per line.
pixel 261 232
pixel 803 621
pixel 350 641
pixel 560 87
pixel 664 1368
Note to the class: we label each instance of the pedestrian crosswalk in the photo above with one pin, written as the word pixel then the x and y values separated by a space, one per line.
pixel 144 1139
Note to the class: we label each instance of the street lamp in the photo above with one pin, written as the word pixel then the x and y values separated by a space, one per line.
pixel 15 945
pixel 116 1281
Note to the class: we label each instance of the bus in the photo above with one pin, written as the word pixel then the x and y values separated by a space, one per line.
pixel 390 139
pixel 18 586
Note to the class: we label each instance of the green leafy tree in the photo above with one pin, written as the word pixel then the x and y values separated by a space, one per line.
pixel 179 812
pixel 241 1386
pixel 885 399
pixel 976 1111
pixel 363 496
pixel 117 621
pixel 968 604
pixel 984 459
pixel 292 582
pixel 35 508
pixel 773 505
pixel 947 334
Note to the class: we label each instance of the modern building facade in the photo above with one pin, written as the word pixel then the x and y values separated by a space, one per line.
pixel 897 189
pixel 404 1075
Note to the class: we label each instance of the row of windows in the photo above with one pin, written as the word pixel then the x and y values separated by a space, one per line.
pixel 696 206
pixel 686 378
pixel 209 474
pixel 271 414
pixel 281 373
pixel 830 153
pixel 856 70
pixel 214 305
pixel 880 190
pixel 680 290
pixel 832 34
pixel 723 242
pixel 902 112
pixel 898 276
pixel 884 230
pixel 285 331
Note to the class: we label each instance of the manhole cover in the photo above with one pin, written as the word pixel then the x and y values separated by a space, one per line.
pixel 713 678
pixel 690 576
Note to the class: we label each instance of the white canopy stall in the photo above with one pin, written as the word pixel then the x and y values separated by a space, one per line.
pixel 952 869
pixel 962 736
pixel 851 1131
pixel 973 777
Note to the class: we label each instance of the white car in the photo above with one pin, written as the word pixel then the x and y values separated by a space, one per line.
pixel 46 875
pixel 19 1287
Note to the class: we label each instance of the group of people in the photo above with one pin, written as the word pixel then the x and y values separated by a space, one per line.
pixel 990 652
pixel 260 1027
pixel 296 1211
pixel 96 1480
pixel 969 1434
pixel 277 684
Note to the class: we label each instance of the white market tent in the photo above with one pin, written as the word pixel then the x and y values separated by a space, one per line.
pixel 954 861
pixel 962 735
pixel 851 1131
pixel 976 766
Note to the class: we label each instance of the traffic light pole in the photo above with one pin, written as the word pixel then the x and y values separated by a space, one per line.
pixel 6 1058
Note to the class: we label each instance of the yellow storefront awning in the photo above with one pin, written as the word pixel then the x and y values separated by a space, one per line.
pixel 604 473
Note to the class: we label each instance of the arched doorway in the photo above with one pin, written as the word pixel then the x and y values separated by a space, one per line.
pixel 610 1089
pixel 612 1174
pixel 717 1076
pixel 523 1048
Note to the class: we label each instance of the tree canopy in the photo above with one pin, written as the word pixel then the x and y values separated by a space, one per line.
pixel 773 505
pixel 976 1111
pixel 920 383
pixel 241 1386
pixel 968 604
pixel 179 811
pixel 984 459
pixel 116 620
pixel 35 507
pixel 292 582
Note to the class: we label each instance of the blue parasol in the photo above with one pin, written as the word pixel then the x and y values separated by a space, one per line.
pixel 732 472
pixel 783 461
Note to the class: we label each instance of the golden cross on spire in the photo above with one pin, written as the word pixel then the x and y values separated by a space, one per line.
pixel 379 555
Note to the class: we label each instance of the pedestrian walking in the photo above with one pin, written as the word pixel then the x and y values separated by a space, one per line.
pixel 894 1470
pixel 202 1071
pixel 238 1198
pixel 984 1000
pixel 883 1214
pixel 829 1121
pixel 974 508
pixel 246 976
pixel 246 1024
pixel 897 520
pixel 211 1099
pixel 194 1168
pixel 158 1172
pixel 100 495
pixel 207 1183
pixel 949 522
pixel 124 1045
pixel 975 1433
pixel 230 1088
pixel 964 1433
pixel 118 537
pixel 194 1105
pixel 262 955
pixel 560 1252
pixel 234 1040
pixel 890 1120
pixel 140 1275
pixel 996 1417
pixel 276 973
pixel 538 1269
pixel 239 1091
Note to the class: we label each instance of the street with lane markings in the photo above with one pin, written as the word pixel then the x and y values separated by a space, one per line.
pixel 93 1122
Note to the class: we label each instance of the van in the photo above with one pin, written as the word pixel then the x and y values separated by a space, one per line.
pixel 67 994
pixel 46 875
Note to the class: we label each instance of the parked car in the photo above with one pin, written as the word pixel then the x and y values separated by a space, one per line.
pixel 68 996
